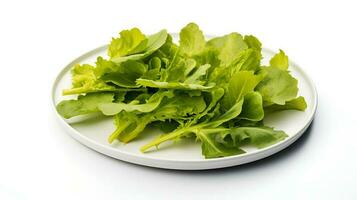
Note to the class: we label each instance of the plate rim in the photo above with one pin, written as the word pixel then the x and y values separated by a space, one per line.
pixel 152 161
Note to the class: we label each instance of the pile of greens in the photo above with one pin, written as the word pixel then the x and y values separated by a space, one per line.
pixel 214 91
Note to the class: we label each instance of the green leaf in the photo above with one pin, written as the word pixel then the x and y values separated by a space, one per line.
pixel 229 47
pixel 259 137
pixel 104 66
pixel 253 42
pixel 154 42
pixel 240 84
pixel 230 114
pixel 295 104
pixel 211 148
pixel 150 105
pixel 252 107
pixel 277 87
pixel 83 105
pixel 129 126
pixel 172 85
pixel 84 80
pixel 208 56
pixel 192 41
pixel 121 121
pixel 126 74
pixel 215 96
pixel 196 76
pixel 280 60
pixel 130 42
pixel 180 107
pixel 177 70
pixel 248 60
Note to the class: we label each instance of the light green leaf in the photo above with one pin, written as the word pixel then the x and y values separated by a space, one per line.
pixel 240 84
pixel 229 47
pixel 232 113
pixel 129 126
pixel 248 60
pixel 280 60
pixel 172 85
pixel 208 56
pixel 126 74
pixel 84 80
pixel 104 66
pixel 179 107
pixel 277 87
pixel 152 104
pixel 130 42
pixel 295 104
pixel 252 107
pixel 192 41
pixel 259 137
pixel 154 42
pixel 198 74
pixel 177 70
pixel 83 105
pixel 211 148
pixel 215 96
pixel 253 42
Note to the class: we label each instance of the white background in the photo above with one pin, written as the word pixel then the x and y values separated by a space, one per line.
pixel 39 161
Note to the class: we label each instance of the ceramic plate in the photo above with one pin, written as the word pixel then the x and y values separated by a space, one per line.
pixel 185 154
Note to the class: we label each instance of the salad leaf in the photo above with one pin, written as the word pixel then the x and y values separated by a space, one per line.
pixel 213 149
pixel 259 137
pixel 295 104
pixel 280 60
pixel 230 114
pixel 125 74
pixel 252 108
pixel 253 42
pixel 84 80
pixel 130 42
pixel 180 107
pixel 229 47
pixel 248 60
pixel 152 104
pixel 241 83
pixel 153 43
pixel 192 41
pixel 85 104
pixel 277 87
pixel 172 85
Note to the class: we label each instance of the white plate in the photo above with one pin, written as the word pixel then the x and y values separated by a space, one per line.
pixel 186 154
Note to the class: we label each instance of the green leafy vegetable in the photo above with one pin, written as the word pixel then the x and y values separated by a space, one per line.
pixel 216 92
pixel 130 42
pixel 153 43
pixel 277 87
pixel 295 104
pixel 229 47
pixel 280 60
pixel 192 41
pixel 125 74
pixel 252 108
pixel 84 104
pixel 152 103
pixel 259 137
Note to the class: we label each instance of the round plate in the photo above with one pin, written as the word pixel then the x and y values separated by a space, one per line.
pixel 184 154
